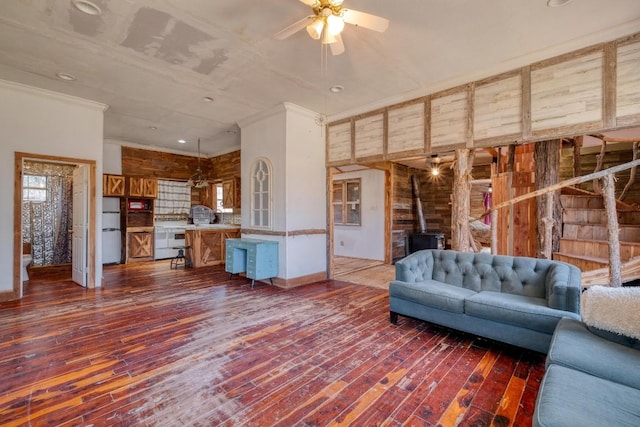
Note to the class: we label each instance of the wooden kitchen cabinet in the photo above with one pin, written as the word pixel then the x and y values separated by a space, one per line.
pixel 112 185
pixel 143 187
pixel 139 244
pixel 207 245
pixel 231 193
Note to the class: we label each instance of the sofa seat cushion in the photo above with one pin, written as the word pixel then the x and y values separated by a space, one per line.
pixel 574 346
pixel 518 310
pixel 572 398
pixel 432 293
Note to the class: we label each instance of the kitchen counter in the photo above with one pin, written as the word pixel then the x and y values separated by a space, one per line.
pixel 207 242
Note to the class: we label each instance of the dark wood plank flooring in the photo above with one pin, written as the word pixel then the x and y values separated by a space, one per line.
pixel 161 347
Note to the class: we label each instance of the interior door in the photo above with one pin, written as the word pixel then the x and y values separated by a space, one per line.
pixel 80 225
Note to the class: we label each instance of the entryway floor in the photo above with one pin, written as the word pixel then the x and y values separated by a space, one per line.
pixel 362 271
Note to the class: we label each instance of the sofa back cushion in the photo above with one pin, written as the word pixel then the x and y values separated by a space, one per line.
pixel 478 271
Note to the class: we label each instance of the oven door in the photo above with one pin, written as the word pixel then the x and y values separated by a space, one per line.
pixel 175 238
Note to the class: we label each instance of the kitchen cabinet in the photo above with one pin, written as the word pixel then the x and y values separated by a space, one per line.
pixel 139 244
pixel 143 187
pixel 231 193
pixel 207 245
pixel 112 185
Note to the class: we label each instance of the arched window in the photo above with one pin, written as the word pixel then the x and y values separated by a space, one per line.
pixel 261 194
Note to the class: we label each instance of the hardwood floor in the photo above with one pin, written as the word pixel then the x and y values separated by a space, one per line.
pixel 189 347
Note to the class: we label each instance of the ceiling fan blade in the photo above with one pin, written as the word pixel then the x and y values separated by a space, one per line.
pixel 309 2
pixel 293 28
pixel 366 20
pixel 337 47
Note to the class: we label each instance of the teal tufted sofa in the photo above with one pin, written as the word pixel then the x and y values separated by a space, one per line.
pixel 516 300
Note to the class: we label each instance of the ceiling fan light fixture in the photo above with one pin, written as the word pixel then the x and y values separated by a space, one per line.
pixel 198 179
pixel 335 25
pixel 328 38
pixel 315 28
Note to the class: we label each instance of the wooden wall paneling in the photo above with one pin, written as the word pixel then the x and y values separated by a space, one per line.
pixel 225 166
pixel 567 93
pixel 339 143
pixel 609 85
pixel 427 124
pixel 628 82
pixel 498 109
pixel 157 164
pixel 406 129
pixel 369 137
pixel 449 118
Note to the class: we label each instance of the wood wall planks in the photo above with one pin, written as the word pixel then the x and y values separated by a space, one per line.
pixel 449 119
pixel 498 108
pixel 628 83
pixel 567 93
pixel 157 164
pixel 563 96
pixel 406 128
pixel 339 143
pixel 369 136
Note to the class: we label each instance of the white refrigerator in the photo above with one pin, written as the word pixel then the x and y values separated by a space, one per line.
pixel 111 234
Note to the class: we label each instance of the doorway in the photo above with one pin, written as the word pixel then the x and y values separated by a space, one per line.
pixel 81 258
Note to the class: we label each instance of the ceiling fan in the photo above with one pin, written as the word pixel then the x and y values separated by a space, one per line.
pixel 327 22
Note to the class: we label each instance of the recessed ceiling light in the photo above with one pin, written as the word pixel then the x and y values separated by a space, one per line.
pixel 153 127
pixel 66 76
pixel 557 3
pixel 336 89
pixel 207 99
pixel 87 7
pixel 232 131
pixel 182 141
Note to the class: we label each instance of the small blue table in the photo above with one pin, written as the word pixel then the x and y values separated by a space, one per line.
pixel 258 258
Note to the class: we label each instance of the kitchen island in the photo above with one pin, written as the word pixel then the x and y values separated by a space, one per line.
pixel 206 243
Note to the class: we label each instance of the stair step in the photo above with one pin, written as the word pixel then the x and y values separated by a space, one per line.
pixel 599 232
pixel 598 216
pixel 584 202
pixel 584 263
pixel 597 248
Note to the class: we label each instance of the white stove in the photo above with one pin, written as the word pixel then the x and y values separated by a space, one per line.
pixel 168 235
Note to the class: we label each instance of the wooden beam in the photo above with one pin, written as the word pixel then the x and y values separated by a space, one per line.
pixel 461 208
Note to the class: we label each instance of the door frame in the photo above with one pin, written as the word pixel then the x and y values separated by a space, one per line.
pixel 17 216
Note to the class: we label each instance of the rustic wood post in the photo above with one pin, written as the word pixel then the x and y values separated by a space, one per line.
pixel 461 200
pixel 615 268
pixel 577 161
pixel 600 160
pixel 632 174
pixel 548 211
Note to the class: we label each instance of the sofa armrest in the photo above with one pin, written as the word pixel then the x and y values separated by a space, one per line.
pixel 416 267
pixel 563 287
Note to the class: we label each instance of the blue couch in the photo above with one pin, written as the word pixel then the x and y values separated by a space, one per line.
pixel 592 378
pixel 515 300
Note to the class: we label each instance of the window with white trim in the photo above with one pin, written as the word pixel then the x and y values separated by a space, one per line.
pixel 261 194
pixel 34 188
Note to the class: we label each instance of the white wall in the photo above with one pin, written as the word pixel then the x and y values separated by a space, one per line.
pixel 366 240
pixel 112 158
pixel 293 143
pixel 46 123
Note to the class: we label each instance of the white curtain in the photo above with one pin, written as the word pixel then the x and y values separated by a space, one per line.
pixel 174 197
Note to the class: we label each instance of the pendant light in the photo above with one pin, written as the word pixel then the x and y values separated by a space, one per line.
pixel 198 179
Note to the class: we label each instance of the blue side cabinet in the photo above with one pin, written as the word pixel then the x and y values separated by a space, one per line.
pixel 258 258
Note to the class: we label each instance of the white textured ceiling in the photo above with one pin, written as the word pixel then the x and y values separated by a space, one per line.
pixel 153 61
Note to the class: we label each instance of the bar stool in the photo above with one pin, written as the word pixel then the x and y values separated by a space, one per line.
pixel 181 259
